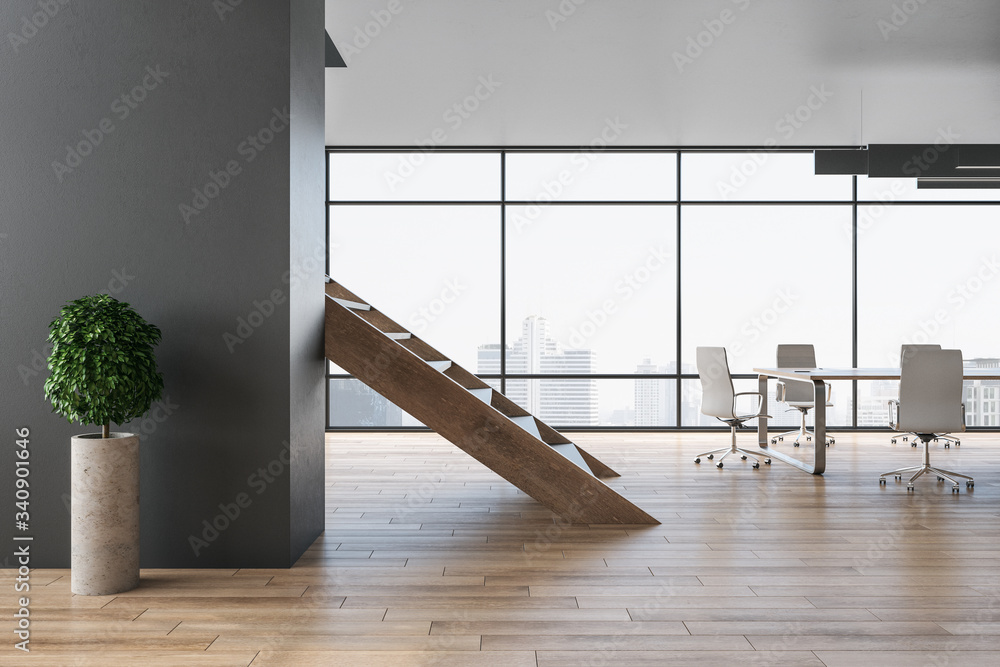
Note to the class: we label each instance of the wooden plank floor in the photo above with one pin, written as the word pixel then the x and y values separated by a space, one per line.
pixel 430 559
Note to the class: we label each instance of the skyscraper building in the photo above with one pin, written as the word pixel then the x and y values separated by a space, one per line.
pixel 656 398
pixel 982 397
pixel 566 402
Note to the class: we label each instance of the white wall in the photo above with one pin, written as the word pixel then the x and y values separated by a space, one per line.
pixel 890 71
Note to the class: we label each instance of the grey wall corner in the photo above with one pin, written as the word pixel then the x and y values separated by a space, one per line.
pixel 307 260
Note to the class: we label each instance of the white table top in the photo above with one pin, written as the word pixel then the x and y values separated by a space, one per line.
pixel 808 374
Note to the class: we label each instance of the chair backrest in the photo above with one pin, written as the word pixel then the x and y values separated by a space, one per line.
pixel 717 391
pixel 909 350
pixel 930 391
pixel 797 356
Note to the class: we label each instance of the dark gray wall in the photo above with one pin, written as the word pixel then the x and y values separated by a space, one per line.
pixel 308 256
pixel 114 224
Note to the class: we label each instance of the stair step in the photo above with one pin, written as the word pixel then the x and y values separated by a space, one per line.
pixel 528 424
pixel 484 394
pixel 440 365
pixel 398 336
pixel 570 451
pixel 353 305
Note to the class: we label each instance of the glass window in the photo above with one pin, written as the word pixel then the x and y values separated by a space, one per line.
pixel 929 274
pixel 355 405
pixel 756 276
pixel 581 403
pixel 435 270
pixel 574 305
pixel 782 418
pixel 544 177
pixel 758 177
pixel 414 176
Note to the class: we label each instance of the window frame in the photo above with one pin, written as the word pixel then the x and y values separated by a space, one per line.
pixel 678 203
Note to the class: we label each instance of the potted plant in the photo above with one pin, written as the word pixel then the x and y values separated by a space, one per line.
pixel 103 371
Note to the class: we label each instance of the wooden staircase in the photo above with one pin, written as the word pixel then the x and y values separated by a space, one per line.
pixel 479 420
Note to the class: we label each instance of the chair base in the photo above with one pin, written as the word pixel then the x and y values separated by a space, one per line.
pixel 926 467
pixel 947 440
pixel 799 434
pixel 733 449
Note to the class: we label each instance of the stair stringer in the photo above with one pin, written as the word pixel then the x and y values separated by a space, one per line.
pixel 478 429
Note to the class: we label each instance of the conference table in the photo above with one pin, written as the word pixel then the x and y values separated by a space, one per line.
pixel 819 377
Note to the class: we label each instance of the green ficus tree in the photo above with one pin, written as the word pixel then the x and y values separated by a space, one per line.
pixel 102 363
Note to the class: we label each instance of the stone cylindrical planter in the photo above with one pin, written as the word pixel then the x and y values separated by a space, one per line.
pixel 105 514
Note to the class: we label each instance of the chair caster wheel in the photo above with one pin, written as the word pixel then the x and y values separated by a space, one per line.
pixel 796 444
pixel 881 480
pixel 697 460
pixel 710 457
pixel 743 458
pixel 719 464
pixel 893 441
pixel 756 465
pixel 958 443
pixel 767 461
pixel 954 489
pixel 809 438
pixel 781 439
pixel 774 441
pixel 913 444
pixel 899 477
pixel 909 487
pixel 905 438
pixel 947 446
pixel 969 484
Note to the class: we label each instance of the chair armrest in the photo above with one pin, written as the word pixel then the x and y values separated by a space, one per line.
pixel 829 393
pixel 894 414
pixel 760 400
pixel 779 392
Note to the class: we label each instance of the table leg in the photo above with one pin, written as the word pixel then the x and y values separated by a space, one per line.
pixel 819 434
pixel 762 421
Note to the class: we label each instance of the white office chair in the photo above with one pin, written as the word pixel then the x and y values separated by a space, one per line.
pixel 930 404
pixel 718 399
pixel 906 351
pixel 798 395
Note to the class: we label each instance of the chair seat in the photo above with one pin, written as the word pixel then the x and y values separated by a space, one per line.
pixel 804 404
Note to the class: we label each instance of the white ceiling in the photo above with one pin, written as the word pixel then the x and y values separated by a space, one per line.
pixel 884 77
